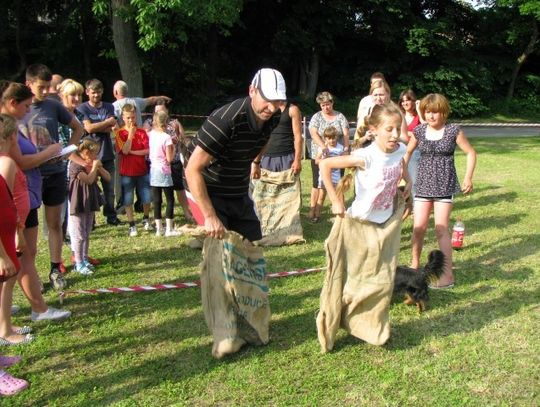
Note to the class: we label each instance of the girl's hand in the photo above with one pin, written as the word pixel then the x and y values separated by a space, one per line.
pixel 467 186
pixel 7 268
pixel 53 149
pixel 20 242
pixel 96 164
pixel 338 209
pixel 255 171
pixel 407 190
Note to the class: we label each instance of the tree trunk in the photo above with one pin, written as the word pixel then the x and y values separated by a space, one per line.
pixel 522 58
pixel 126 49
pixel 18 45
pixel 309 76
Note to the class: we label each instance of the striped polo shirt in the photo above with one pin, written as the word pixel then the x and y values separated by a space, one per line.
pixel 231 135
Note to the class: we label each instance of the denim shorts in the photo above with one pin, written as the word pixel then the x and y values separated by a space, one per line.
pixel 142 183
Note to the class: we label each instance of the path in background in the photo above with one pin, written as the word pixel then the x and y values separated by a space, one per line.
pixel 500 131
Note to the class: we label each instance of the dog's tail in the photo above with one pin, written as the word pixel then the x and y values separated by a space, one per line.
pixel 434 268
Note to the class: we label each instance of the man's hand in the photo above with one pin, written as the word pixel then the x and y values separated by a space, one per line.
pixel 214 227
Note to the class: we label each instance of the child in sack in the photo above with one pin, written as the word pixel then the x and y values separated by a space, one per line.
pixel 84 199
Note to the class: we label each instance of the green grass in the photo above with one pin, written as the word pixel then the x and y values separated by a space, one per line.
pixel 476 345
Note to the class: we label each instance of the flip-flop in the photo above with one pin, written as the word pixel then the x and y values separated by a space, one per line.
pixel 442 287
pixel 7 361
pixel 10 385
pixel 27 339
pixel 23 330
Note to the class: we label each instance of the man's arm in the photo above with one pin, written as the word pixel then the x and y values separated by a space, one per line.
pixel 100 127
pixel 199 160
pixel 152 100
pixel 296 120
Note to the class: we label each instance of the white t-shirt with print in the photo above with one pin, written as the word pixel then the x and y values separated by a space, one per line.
pixel 376 186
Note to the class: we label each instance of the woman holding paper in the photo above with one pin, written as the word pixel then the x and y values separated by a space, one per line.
pixel 15 100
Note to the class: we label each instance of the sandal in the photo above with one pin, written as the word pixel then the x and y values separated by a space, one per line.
pixel 27 339
pixel 7 361
pixel 10 385
pixel 315 220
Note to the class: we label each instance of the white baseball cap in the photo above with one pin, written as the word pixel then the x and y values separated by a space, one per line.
pixel 270 83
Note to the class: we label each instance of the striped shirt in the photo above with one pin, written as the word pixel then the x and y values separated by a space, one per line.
pixel 232 137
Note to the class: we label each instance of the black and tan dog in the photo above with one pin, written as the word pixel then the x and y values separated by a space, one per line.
pixel 414 283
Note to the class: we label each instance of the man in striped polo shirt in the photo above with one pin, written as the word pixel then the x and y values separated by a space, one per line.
pixel 227 151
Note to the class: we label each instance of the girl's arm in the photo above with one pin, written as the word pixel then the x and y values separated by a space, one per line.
pixel 169 153
pixel 410 148
pixel 28 161
pixel 325 168
pixel 468 149
pixel 406 177
pixel 103 173
pixel 91 177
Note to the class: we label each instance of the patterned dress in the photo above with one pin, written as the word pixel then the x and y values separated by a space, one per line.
pixel 436 169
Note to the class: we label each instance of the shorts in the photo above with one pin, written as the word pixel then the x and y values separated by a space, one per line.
pixel 159 179
pixel 444 199
pixel 177 174
pixel 142 183
pixel 54 189
pixel 278 163
pixel 32 219
pixel 238 214
pixel 314 174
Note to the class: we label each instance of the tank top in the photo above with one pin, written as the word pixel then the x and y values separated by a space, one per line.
pixel 8 222
pixel 282 137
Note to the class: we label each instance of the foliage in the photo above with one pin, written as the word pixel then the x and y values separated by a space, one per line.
pixel 202 52
pixel 476 345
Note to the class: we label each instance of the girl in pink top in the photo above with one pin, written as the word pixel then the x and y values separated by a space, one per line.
pixel 161 154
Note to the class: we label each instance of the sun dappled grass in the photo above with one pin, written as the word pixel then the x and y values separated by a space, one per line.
pixel 476 345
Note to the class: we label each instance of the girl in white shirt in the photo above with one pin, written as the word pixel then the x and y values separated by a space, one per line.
pixel 378 170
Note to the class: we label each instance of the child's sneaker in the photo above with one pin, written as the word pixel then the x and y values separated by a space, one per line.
pixel 87 263
pixel 132 231
pixel 83 269
pixel 172 232
pixel 147 225
pixel 57 279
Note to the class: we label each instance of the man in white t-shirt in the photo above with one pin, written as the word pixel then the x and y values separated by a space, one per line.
pixel 120 92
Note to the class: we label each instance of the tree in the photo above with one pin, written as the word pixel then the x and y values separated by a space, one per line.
pixel 158 23
pixel 530 9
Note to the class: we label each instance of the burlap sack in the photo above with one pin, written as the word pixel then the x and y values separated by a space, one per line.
pixel 277 198
pixel 234 293
pixel 361 259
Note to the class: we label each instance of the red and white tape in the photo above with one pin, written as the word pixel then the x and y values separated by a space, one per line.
pixel 162 287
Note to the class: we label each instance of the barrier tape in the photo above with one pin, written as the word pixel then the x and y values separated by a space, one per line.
pixel 162 287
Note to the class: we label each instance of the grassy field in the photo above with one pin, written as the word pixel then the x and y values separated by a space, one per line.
pixel 476 345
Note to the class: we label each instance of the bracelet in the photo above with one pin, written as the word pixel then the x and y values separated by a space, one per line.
pixel 256 162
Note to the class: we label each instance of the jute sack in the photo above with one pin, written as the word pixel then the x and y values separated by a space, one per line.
pixel 234 293
pixel 361 258
pixel 277 198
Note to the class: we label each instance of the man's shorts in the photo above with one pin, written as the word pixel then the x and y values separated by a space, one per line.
pixel 54 189
pixel 238 214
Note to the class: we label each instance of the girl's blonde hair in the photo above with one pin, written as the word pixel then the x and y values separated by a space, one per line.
pixel 88 144
pixel 377 116
pixel 437 103
pixel 8 126
pixel 160 119
pixel 380 83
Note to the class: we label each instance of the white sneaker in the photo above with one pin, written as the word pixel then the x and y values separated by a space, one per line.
pixel 172 232
pixel 147 225
pixel 132 231
pixel 52 314
pixel 83 269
